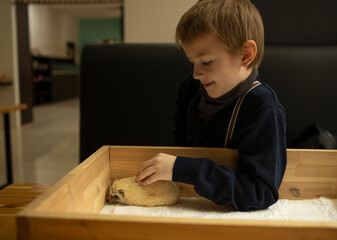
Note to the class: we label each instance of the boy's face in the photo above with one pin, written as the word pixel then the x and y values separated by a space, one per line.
pixel 217 69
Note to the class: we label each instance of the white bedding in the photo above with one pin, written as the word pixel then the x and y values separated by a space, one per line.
pixel 321 209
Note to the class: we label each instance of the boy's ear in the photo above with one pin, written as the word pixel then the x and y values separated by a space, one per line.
pixel 249 53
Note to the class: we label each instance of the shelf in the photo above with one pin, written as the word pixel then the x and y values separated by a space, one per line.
pixel 53 58
pixel 54 78
pixel 6 84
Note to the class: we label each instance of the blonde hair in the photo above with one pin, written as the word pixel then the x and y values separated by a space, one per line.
pixel 233 21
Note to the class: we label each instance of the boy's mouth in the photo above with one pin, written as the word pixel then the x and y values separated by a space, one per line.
pixel 206 85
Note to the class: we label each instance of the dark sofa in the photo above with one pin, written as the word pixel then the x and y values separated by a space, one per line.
pixel 128 91
pixel 128 94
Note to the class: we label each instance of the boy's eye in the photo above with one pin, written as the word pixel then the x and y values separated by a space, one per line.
pixel 207 63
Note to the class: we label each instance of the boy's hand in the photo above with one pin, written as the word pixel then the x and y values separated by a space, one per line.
pixel 160 167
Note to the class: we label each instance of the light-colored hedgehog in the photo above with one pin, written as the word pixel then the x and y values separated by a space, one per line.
pixel 159 193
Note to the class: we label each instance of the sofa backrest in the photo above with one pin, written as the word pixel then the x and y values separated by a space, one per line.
pixel 128 94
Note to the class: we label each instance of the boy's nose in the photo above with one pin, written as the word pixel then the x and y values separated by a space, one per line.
pixel 197 73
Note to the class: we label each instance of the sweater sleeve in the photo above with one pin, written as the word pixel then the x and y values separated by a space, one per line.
pixel 255 183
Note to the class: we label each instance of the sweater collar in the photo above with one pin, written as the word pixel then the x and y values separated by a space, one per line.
pixel 210 106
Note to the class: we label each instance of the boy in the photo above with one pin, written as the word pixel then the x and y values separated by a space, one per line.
pixel 223 104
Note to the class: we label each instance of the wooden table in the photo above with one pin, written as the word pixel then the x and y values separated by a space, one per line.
pixel 13 198
pixel 6 110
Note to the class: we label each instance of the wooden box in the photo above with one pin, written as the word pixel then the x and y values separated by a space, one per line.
pixel 70 208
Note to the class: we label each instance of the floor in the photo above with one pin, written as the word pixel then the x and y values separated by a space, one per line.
pixel 45 150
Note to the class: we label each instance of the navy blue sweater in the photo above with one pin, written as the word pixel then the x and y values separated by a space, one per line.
pixel 259 136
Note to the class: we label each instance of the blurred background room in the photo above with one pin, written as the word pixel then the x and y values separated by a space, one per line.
pixel 40 44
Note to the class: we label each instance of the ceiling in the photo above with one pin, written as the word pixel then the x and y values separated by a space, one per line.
pixel 90 11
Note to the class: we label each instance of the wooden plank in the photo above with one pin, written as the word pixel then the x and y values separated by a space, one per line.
pixel 86 184
pixel 293 157
pixel 7 226
pixel 290 173
pixel 310 174
pixel 84 189
pixel 14 198
pixel 315 171
pixel 307 189
pixel 125 161
pixel 134 228
pixel 73 193
pixel 319 157
pixel 317 163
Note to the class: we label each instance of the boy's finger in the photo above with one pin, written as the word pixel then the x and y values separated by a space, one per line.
pixel 149 180
pixel 145 165
pixel 145 173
